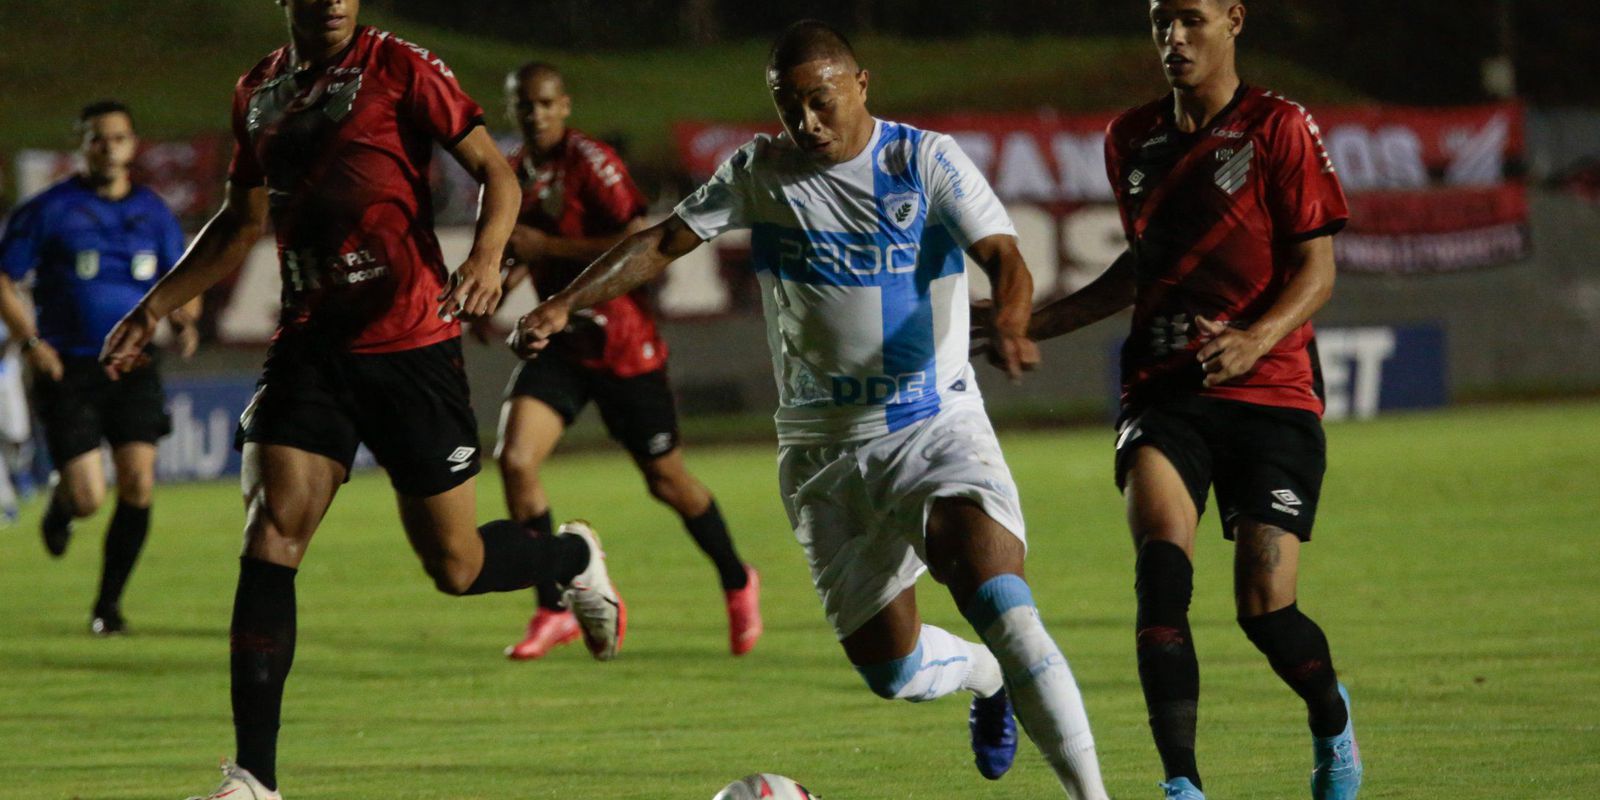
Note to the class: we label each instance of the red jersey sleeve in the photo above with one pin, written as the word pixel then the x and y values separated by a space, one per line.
pixel 433 100
pixel 1303 193
pixel 608 189
pixel 244 169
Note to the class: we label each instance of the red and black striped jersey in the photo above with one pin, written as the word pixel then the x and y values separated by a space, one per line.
pixel 584 190
pixel 344 150
pixel 1210 217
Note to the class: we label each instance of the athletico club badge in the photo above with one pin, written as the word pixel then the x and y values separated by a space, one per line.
pixel 901 207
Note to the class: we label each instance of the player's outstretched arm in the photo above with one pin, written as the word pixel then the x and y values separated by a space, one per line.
pixel 1230 352
pixel 1106 295
pixel 474 288
pixel 529 245
pixel 219 250
pixel 632 263
pixel 1007 326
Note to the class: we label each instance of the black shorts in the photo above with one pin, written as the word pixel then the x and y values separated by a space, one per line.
pixel 411 408
pixel 85 406
pixel 1266 462
pixel 639 412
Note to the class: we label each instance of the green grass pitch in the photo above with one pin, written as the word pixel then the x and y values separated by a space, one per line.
pixel 1454 571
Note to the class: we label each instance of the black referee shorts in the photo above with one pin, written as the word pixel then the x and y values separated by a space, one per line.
pixel 411 408
pixel 85 407
pixel 1265 462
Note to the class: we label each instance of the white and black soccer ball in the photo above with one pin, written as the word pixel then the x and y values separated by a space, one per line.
pixel 764 785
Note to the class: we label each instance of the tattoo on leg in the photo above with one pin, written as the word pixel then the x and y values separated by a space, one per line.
pixel 1262 546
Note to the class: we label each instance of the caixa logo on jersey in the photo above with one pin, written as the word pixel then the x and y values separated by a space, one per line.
pixel 879 390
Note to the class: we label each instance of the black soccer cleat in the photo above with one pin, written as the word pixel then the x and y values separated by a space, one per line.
pixel 108 622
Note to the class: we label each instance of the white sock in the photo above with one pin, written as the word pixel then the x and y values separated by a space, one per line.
pixel 941 664
pixel 1043 692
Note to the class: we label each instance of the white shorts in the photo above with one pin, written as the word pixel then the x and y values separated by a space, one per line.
pixel 860 509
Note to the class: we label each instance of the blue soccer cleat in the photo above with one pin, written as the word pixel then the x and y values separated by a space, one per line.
pixel 1180 789
pixel 994 734
pixel 1336 770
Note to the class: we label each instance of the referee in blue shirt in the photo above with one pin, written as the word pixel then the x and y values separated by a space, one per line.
pixel 94 243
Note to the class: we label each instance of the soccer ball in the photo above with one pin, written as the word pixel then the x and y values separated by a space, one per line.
pixel 764 785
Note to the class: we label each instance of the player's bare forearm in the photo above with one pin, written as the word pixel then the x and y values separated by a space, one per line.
pixel 1010 281
pixel 1311 270
pixel 633 262
pixel 1113 291
pixel 220 248
pixel 497 213
pixel 572 249
pixel 14 311
pixel 1012 290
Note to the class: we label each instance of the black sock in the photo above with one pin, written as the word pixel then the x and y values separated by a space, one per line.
pixel 124 539
pixel 58 514
pixel 1168 669
pixel 711 534
pixel 539 523
pixel 1298 652
pixel 546 593
pixel 514 559
pixel 262 645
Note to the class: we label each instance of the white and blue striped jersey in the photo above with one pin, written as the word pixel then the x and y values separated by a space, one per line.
pixel 863 281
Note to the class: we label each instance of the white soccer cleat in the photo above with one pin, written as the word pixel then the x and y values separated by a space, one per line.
pixel 594 599
pixel 239 784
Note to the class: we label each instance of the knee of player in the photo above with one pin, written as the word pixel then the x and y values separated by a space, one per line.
pixel 84 500
pixel 136 489
pixel 518 462
pixel 674 489
pixel 452 576
pixel 452 582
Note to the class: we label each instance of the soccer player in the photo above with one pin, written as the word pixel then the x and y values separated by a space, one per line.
pixel 334 134
pixel 94 242
pixel 1230 203
pixel 888 466
pixel 577 201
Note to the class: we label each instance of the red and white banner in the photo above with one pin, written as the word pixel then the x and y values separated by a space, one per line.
pixel 1431 189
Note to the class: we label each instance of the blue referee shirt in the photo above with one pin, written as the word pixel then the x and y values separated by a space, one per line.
pixel 92 258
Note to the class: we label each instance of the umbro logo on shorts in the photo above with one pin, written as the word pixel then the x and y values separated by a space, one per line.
pixel 660 444
pixel 461 458
pixel 1285 502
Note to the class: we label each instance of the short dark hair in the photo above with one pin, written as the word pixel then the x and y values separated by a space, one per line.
pixel 537 69
pixel 100 108
pixel 809 40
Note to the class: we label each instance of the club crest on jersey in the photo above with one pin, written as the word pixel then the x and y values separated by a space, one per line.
pixel 1231 176
pixel 901 208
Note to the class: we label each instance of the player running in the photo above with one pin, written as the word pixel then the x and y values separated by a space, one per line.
pixel 1230 203
pixel 887 463
pixel 334 133
pixel 577 201
pixel 95 242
